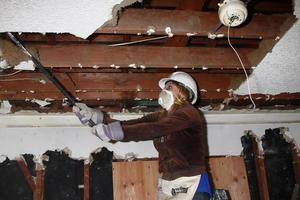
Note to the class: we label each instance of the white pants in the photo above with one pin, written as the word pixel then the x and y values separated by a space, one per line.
pixel 183 188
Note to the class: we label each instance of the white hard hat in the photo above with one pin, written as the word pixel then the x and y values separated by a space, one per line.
pixel 183 78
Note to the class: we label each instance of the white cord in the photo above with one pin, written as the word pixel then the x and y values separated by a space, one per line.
pixel 138 41
pixel 5 75
pixel 247 79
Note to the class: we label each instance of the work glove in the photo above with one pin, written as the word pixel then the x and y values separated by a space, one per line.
pixel 106 132
pixel 85 113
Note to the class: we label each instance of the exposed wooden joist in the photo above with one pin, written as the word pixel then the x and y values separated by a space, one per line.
pixel 191 5
pixel 134 21
pixel 262 6
pixel 113 82
pixel 77 56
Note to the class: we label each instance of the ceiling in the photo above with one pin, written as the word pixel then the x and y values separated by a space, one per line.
pixel 99 73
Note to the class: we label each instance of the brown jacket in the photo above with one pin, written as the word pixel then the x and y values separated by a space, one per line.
pixel 179 137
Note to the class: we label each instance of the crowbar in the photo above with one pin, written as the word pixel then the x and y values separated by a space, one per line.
pixel 48 74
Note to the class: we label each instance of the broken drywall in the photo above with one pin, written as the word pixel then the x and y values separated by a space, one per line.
pixel 80 18
pixel 279 71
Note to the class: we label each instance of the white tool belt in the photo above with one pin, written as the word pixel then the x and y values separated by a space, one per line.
pixel 183 188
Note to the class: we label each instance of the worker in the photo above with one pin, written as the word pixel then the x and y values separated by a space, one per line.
pixel 178 132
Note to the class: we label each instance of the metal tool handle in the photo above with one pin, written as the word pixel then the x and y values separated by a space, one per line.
pixel 48 74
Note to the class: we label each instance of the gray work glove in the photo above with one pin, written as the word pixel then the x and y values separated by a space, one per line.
pixel 107 132
pixel 85 113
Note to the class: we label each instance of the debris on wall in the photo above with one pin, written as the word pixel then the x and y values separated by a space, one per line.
pixel 249 159
pixel 101 186
pixel 13 185
pixel 5 107
pixel 63 175
pixel 279 164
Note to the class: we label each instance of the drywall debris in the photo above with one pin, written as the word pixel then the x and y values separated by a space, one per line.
pixel 214 36
pixel 175 67
pixel 139 33
pixel 42 81
pixel 142 66
pixel 40 102
pixel 2 158
pixel 138 88
pixel 130 156
pixel 79 65
pixel 218 90
pixel 114 66
pixel 168 31
pixel 96 67
pixel 4 64
pixel 277 38
pixel 150 30
pixel 25 65
pixel 204 68
pixel 32 91
pixel 77 91
pixel 5 107
pixel 191 34
pixel 221 107
pixel 206 108
pixel 203 90
pixel 132 65
pixel 48 99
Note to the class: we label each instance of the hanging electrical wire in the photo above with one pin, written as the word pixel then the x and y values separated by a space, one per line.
pixel 138 41
pixel 247 78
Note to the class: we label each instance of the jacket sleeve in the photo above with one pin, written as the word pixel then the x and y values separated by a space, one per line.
pixel 152 117
pixel 173 123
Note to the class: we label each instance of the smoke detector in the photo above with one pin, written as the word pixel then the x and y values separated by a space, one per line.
pixel 232 12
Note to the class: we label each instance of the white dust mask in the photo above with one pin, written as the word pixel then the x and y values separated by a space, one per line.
pixel 166 99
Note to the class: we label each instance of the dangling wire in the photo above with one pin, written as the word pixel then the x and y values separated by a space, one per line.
pixel 247 79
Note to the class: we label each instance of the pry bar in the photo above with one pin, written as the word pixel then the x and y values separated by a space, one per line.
pixel 48 74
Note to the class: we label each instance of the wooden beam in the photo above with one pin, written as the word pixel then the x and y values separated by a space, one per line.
pixel 196 5
pixel 78 56
pixel 134 21
pixel 38 193
pixel 26 174
pixel 266 6
pixel 30 82
pixel 86 180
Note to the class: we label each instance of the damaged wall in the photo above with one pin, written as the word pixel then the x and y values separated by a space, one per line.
pixel 279 71
pixel 80 18
pixel 36 133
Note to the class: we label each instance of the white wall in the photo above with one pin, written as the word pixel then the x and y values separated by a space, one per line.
pixel 36 133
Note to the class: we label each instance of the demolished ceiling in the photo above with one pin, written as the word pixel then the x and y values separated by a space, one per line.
pixel 153 45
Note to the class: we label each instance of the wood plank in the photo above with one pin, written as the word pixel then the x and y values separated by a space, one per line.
pixel 296 164
pixel 86 56
pixel 134 21
pixel 266 6
pixel 191 5
pixel 229 173
pixel 262 179
pixel 86 181
pixel 135 180
pixel 38 193
pixel 26 174
pixel 260 171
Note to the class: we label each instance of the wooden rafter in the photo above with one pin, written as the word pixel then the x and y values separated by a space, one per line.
pixel 134 21
pixel 77 56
